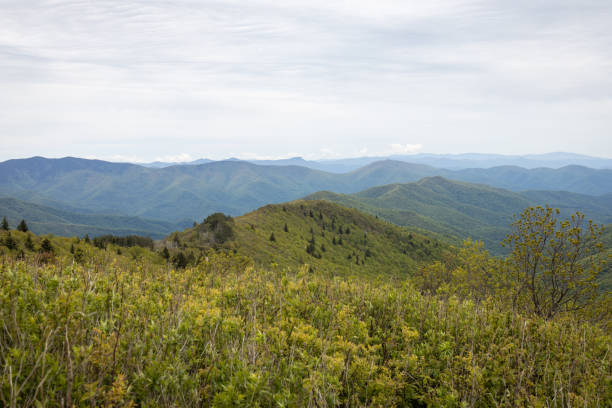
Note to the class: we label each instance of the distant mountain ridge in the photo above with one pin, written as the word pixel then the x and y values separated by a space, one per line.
pixel 47 220
pixel 235 187
pixel 446 161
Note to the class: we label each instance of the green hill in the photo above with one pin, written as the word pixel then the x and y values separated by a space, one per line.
pixel 47 220
pixel 457 210
pixel 324 235
pixel 192 192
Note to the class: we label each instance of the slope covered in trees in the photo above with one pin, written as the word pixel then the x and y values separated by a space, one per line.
pixel 460 210
pixel 176 193
pixel 48 220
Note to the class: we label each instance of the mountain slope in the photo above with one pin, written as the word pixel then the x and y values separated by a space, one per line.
pixel 177 193
pixel 460 209
pixel 344 239
pixel 47 220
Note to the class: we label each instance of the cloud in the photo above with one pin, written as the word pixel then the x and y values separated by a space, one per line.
pixel 397 148
pixel 158 78
pixel 183 157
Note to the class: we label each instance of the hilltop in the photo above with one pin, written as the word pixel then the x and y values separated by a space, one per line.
pixel 324 235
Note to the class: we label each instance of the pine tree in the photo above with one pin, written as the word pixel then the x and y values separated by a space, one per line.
pixel 286 229
pixel 165 254
pixel 5 224
pixel 28 243
pixel 23 227
pixel 10 242
pixel 272 237
pixel 45 246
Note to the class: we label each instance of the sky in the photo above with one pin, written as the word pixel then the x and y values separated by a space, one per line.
pixel 178 80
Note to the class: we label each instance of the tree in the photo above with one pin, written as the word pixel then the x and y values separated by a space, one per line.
pixel 165 253
pixel 5 224
pixel 179 260
pixel 272 237
pixel 28 243
pixel 554 263
pixel 45 246
pixel 286 229
pixel 23 227
pixel 10 242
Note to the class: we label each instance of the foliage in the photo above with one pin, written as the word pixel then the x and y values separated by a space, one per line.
pixel 545 261
pixel 121 332
pixel 23 227
pixel 127 241
pixel 221 226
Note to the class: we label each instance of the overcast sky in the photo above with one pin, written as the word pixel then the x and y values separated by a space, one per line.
pixel 183 79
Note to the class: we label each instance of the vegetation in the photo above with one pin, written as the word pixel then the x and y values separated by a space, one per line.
pixel 127 241
pixel 323 235
pixel 339 309
pixel 546 261
pixel 114 331
pixel 457 210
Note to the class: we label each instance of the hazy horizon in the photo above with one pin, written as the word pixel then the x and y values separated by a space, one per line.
pixel 186 158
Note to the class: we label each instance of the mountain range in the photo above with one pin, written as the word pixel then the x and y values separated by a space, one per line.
pixel 445 161
pixel 180 193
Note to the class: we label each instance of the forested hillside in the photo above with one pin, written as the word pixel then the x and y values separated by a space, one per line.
pixel 460 210
pixel 177 193
pixel 44 219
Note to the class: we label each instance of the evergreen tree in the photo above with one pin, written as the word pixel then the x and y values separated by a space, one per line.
pixel 165 254
pixel 23 227
pixel 179 260
pixel 86 239
pixel 10 242
pixel 72 249
pixel 45 246
pixel 5 224
pixel 272 237
pixel 28 243
pixel 286 229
